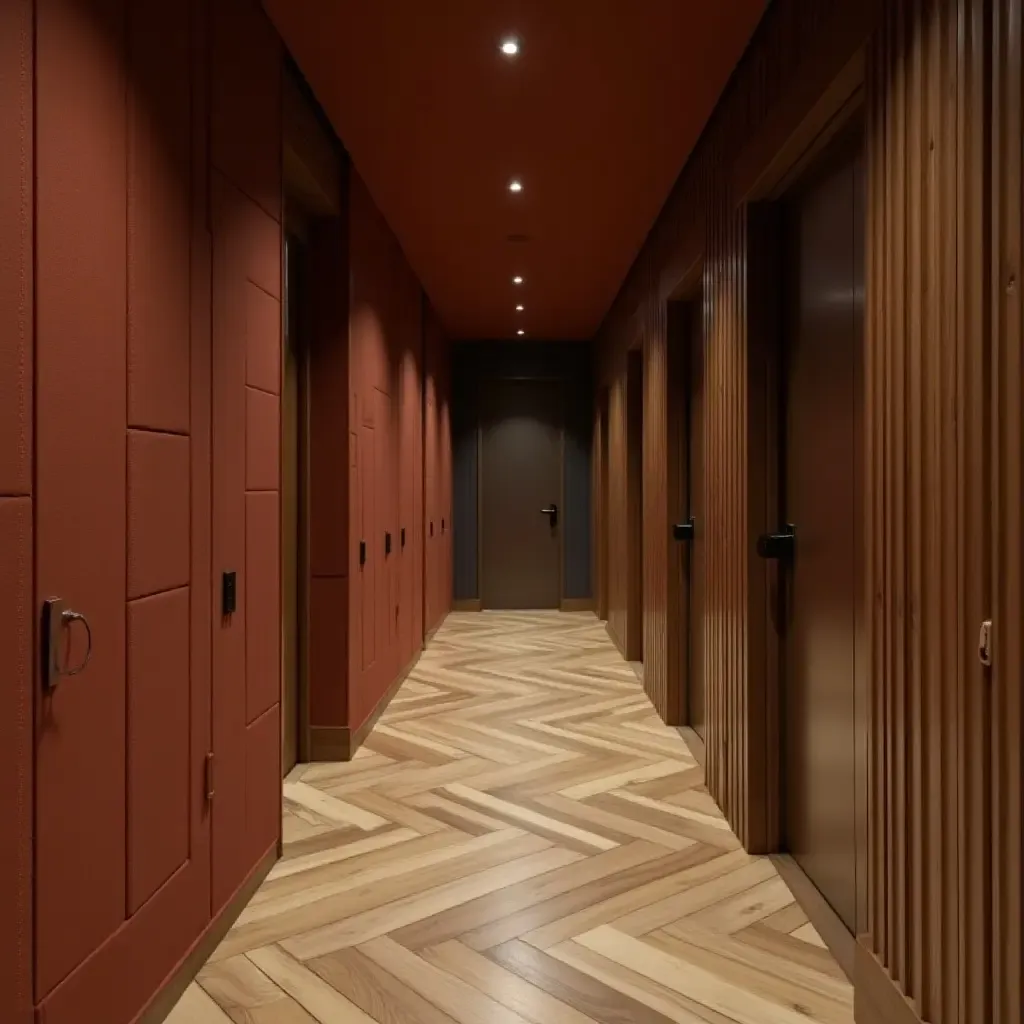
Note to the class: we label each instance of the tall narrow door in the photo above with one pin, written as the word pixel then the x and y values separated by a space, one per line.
pixel 521 491
pixel 291 476
pixel 696 554
pixel 822 488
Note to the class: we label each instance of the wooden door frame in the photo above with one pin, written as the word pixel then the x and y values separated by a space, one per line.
pixel 633 641
pixel 679 386
pixel 312 183
pixel 302 563
pixel 489 380
pixel 600 504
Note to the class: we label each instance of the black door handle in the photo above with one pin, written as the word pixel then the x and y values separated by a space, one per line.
pixel 552 511
pixel 779 546
pixel 684 531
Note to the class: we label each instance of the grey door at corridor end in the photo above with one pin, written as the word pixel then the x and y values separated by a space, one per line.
pixel 521 426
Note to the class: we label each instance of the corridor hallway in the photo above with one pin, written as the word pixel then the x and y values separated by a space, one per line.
pixel 519 839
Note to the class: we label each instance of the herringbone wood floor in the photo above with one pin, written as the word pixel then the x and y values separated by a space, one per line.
pixel 520 840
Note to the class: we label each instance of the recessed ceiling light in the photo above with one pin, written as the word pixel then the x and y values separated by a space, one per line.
pixel 510 46
pixel 520 332
pixel 515 185
pixel 519 309
pixel 517 279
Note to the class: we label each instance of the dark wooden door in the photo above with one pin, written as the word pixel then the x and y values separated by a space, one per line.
pixel 521 474
pixel 823 348
pixel 697 555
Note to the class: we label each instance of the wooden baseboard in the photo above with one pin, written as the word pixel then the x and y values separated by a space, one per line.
pixel 695 744
pixel 433 629
pixel 468 604
pixel 614 638
pixel 340 742
pixel 828 924
pixel 576 604
pixel 329 743
pixel 877 998
pixel 167 998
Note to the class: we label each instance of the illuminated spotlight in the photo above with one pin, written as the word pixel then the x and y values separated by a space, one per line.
pixel 510 46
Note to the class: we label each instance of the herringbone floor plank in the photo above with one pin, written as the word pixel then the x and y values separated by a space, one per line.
pixel 520 840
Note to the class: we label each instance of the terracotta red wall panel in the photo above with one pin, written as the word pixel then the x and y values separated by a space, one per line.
pixel 16 618
pixel 16 649
pixel 328 651
pixel 263 340
pixel 159 510
pixel 263 784
pixel 262 440
pixel 228 389
pixel 16 251
pixel 81 150
pixel 159 201
pixel 246 103
pixel 385 411
pixel 262 596
pixel 159 724
pixel 331 466
pixel 328 401
pixel 245 148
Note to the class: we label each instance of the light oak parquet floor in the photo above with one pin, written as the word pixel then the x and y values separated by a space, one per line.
pixel 520 840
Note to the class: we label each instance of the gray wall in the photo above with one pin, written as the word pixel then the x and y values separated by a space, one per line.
pixel 569 362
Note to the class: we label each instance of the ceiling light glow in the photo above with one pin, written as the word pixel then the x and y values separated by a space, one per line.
pixel 520 332
pixel 519 309
pixel 510 46
pixel 517 279
pixel 515 185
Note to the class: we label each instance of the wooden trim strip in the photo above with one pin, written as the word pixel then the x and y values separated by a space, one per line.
pixel 826 921
pixel 878 999
pixel 167 998
pixel 340 743
pixel 469 604
pixel 577 604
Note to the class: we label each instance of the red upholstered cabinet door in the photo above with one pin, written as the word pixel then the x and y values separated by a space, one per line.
pixel 122 857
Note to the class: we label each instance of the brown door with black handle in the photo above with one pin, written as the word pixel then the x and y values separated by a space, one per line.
pixel 816 539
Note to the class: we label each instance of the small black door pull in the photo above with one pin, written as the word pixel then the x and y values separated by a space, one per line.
pixel 684 531
pixel 387 543
pixel 780 546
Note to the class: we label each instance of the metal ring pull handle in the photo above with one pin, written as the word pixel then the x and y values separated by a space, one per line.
pixel 57 621
pixel 67 618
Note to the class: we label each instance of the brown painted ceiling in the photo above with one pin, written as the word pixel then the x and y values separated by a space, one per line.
pixel 596 116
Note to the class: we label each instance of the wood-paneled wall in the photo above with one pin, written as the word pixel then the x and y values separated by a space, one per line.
pixel 798 53
pixel 1007 509
pixel 939 83
pixel 927 534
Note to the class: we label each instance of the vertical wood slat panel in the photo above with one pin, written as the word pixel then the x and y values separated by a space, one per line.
pixel 925 392
pixel 764 102
pixel 1007 763
pixel 943 491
